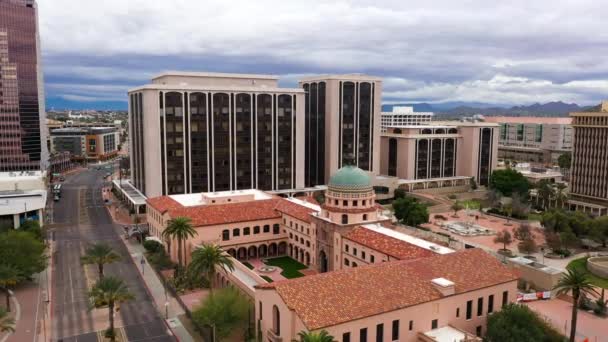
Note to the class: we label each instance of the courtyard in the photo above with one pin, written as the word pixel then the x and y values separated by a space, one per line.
pixel 279 268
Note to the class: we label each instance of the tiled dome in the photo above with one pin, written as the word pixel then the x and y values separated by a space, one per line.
pixel 350 178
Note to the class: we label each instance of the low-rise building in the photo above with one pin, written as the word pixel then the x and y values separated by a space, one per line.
pixel 22 197
pixel 402 116
pixel 86 143
pixel 369 281
pixel 533 139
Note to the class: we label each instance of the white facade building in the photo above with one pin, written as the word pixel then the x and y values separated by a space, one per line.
pixel 404 116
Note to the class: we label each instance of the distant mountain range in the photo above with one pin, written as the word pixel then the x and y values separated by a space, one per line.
pixel 455 109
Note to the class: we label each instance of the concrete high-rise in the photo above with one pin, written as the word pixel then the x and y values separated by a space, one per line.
pixel 589 170
pixel 22 116
pixel 205 132
pixel 342 124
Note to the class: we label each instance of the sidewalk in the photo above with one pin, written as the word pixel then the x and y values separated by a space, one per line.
pixel 167 306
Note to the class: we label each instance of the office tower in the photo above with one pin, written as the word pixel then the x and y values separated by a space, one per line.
pixel 441 152
pixel 342 124
pixel 22 117
pixel 533 139
pixel 205 132
pixel 589 171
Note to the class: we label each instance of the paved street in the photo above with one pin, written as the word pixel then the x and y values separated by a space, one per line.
pixel 81 218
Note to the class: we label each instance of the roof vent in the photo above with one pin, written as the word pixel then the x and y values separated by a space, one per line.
pixel 446 287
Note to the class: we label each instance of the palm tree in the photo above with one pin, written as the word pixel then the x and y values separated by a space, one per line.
pixel 109 291
pixel 577 282
pixel 207 259
pixel 7 324
pixel 99 254
pixel 560 194
pixel 322 336
pixel 9 276
pixel 179 228
pixel 546 192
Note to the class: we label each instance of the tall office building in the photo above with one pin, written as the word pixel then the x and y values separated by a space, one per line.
pixel 342 114
pixel 206 132
pixel 22 117
pixel 440 151
pixel 589 170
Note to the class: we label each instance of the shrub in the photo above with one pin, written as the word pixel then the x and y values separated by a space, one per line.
pixel 152 246
pixel 440 217
pixel 452 196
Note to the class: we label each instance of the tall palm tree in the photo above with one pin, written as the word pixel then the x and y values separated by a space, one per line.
pixel 546 192
pixel 180 229
pixel 7 324
pixel 109 291
pixel 577 282
pixel 560 194
pixel 9 277
pixel 322 336
pixel 206 259
pixel 99 254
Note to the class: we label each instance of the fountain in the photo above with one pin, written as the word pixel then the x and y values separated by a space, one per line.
pixel 267 269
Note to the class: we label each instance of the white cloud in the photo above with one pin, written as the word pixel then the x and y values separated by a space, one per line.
pixel 435 48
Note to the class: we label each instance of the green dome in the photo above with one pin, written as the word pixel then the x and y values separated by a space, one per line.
pixel 350 178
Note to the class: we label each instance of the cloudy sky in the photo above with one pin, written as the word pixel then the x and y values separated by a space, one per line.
pixel 475 51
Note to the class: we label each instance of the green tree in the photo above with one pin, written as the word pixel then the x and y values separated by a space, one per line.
pixel 456 207
pixel 321 336
pixel 599 230
pixel 32 227
pixel 9 277
pixel 7 324
pixel 508 181
pixel 399 193
pixel 546 193
pixel 561 196
pixel 180 229
pixel 410 212
pixel 568 238
pixel 519 207
pixel 518 323
pixel 99 254
pixel 565 160
pixel 207 259
pixel 227 310
pixel 505 238
pixel 577 283
pixel 24 252
pixel 110 291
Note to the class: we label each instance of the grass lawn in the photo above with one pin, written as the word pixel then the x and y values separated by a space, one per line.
pixel 249 266
pixel 535 217
pixel 268 279
pixel 581 264
pixel 290 266
pixel 471 204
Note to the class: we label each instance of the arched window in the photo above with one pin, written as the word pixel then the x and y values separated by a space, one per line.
pixel 256 230
pixel 290 235
pixel 364 217
pixel 236 232
pixel 440 131
pixel 246 231
pixel 276 321
pixel 225 235
pixel 344 219
pixel 346 262
pixel 354 264
pixel 452 131
pixel 427 131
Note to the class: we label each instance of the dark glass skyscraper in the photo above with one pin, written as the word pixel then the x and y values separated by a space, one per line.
pixel 22 146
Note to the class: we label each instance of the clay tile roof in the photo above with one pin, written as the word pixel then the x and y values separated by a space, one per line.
pixel 399 249
pixel 207 215
pixel 163 203
pixel 333 298
pixel 300 212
